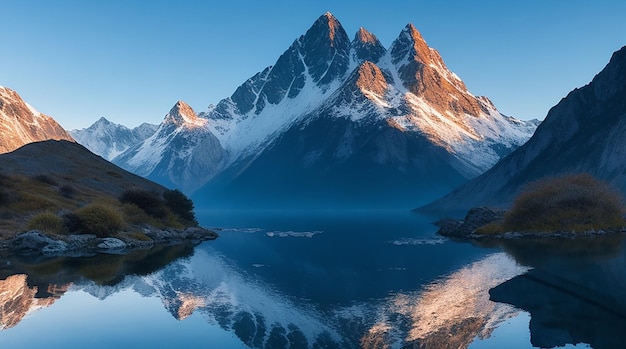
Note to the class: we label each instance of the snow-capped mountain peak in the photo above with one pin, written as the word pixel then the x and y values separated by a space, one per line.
pixel 367 47
pixel 331 110
pixel 108 139
pixel 183 115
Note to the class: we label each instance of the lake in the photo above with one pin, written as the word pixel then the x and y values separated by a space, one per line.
pixel 322 279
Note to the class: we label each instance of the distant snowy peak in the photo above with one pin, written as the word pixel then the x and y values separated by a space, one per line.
pixel 183 115
pixel 108 139
pixel 21 124
pixel 182 153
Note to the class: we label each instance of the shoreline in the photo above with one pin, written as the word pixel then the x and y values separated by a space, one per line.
pixel 465 229
pixel 35 242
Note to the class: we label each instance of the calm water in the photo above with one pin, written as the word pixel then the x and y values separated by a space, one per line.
pixel 322 280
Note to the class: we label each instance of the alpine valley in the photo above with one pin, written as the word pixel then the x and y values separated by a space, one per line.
pixel 334 122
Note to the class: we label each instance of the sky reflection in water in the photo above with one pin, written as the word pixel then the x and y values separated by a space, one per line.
pixel 322 279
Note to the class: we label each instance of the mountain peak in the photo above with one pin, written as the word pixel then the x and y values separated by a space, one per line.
pixel 367 47
pixel 182 114
pixel 325 48
pixel 103 121
pixel 411 46
pixel 365 36
pixel 371 78
pixel 328 25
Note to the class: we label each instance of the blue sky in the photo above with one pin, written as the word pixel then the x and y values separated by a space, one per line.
pixel 131 60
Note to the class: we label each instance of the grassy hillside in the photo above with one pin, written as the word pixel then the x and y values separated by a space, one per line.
pixel 60 187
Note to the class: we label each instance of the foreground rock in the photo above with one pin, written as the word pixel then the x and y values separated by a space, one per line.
pixel 37 243
pixel 480 216
pixel 465 228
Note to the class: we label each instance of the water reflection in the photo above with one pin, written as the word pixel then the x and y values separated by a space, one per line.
pixel 575 293
pixel 449 313
pixel 28 284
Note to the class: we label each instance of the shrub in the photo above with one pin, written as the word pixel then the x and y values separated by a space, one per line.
pixel 180 205
pixel 71 221
pixel 566 203
pixel 150 202
pixel 47 222
pixel 43 178
pixel 99 220
pixel 67 191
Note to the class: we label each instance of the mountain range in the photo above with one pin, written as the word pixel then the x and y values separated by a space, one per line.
pixel 584 132
pixel 109 139
pixel 333 122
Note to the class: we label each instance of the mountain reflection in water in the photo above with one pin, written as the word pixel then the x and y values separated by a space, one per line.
pixel 399 287
pixel 448 313
pixel 574 294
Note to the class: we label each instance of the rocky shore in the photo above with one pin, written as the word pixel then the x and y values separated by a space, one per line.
pixel 38 243
pixel 465 229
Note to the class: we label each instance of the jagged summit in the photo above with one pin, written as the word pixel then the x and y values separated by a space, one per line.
pixel 367 47
pixel 182 114
pixel 335 119
pixel 108 139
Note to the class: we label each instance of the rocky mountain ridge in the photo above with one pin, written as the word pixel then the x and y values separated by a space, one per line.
pixel 109 139
pixel 584 132
pixel 21 124
pixel 328 111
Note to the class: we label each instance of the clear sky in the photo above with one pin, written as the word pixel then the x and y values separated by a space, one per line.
pixel 131 60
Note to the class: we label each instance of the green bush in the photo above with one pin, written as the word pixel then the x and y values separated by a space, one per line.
pixel 180 205
pixel 150 202
pixel 99 220
pixel 47 222
pixel 566 203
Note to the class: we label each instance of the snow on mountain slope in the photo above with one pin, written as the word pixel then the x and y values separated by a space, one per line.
pixel 182 152
pixel 413 90
pixel 584 132
pixel 331 108
pixel 21 124
pixel 109 139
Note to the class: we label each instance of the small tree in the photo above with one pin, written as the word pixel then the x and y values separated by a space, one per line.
pixel 180 204
pixel 565 203
pixel 148 201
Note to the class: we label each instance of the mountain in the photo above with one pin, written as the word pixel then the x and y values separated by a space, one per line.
pixel 348 122
pixel 336 121
pixel 182 152
pixel 584 132
pixel 70 163
pixel 21 124
pixel 109 139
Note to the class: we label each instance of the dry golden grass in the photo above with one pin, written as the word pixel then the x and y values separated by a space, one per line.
pixel 567 203
pixel 62 204
pixel 46 222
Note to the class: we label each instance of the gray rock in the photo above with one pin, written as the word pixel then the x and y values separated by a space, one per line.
pixel 111 244
pixel 475 218
pixel 34 241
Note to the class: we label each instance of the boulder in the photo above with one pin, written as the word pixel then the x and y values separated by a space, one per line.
pixel 35 242
pixel 475 218
pixel 111 244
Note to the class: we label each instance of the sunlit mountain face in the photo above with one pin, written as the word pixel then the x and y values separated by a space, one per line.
pixel 337 120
